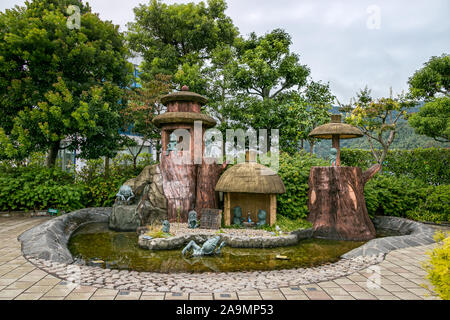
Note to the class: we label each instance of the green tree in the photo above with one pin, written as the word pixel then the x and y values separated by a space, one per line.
pixel 271 89
pixel 432 79
pixel 144 104
pixel 433 119
pixel 179 38
pixel 378 119
pixel 58 82
pixel 432 83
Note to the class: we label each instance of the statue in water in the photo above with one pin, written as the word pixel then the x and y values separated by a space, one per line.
pixel 333 156
pixel 208 248
pixel 125 195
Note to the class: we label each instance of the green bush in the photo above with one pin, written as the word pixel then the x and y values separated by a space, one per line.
pixel 294 171
pixel 409 198
pixel 100 189
pixel 435 207
pixel 38 188
pixel 438 266
pixel 431 165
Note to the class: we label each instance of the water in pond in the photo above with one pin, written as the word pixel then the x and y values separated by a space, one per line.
pixel 119 250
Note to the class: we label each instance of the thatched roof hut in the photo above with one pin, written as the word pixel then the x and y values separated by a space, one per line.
pixel 252 187
pixel 250 177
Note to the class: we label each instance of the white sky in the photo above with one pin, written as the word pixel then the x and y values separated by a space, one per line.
pixel 332 37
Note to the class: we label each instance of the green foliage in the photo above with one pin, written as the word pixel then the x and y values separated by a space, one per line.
pixel 378 119
pixel 294 171
pixel 179 36
pixel 407 198
pixel 288 225
pixel 101 190
pixel 438 267
pixel 38 188
pixel 429 165
pixel 433 119
pixel 59 83
pixel 435 207
pixel 432 79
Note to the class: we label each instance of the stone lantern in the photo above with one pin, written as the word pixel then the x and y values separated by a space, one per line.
pixel 336 130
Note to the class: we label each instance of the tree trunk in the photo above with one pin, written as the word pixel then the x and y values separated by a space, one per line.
pixel 107 167
pixel 52 154
pixel 336 203
pixel 207 177
pixel 179 184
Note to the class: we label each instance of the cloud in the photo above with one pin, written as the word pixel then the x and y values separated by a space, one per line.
pixel 332 37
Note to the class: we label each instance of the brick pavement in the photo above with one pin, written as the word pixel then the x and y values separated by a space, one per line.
pixel 401 278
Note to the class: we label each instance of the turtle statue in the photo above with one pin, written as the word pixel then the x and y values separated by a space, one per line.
pixel 333 156
pixel 261 218
pixel 166 226
pixel 207 249
pixel 173 141
pixel 237 220
pixel 125 195
pixel 192 220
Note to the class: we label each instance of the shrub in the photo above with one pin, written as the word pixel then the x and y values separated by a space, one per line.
pixel 408 198
pixel 430 165
pixel 438 266
pixel 101 190
pixel 294 171
pixel 435 207
pixel 38 188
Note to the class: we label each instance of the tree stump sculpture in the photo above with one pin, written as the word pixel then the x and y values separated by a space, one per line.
pixel 337 207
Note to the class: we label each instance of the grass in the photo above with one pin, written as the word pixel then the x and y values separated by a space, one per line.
pixel 285 224
pixel 156 232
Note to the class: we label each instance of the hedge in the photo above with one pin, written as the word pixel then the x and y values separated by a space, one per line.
pixel 431 165
pixel 294 171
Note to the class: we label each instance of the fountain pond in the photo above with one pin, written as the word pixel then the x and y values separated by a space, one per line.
pixel 96 245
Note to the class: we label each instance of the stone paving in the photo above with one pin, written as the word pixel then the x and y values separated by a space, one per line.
pixel 401 278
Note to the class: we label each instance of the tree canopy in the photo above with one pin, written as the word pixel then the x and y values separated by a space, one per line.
pixel 432 83
pixel 58 82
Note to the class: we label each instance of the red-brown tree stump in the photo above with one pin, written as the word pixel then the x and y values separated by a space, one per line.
pixel 207 177
pixel 179 185
pixel 336 203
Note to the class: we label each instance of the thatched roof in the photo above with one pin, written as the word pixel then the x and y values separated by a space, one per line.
pixel 250 177
pixel 184 117
pixel 184 96
pixel 336 127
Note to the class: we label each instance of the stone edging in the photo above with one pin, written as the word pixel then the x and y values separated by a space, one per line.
pixel 233 241
pixel 49 240
pixel 45 246
pixel 413 234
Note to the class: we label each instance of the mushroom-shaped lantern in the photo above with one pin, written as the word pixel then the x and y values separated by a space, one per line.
pixel 336 130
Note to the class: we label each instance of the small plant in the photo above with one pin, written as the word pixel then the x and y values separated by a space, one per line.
pixel 438 266
pixel 156 232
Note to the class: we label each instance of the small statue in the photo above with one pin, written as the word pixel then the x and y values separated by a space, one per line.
pixel 333 156
pixel 208 248
pixel 261 218
pixel 173 141
pixel 192 220
pixel 237 220
pixel 166 226
pixel 124 195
